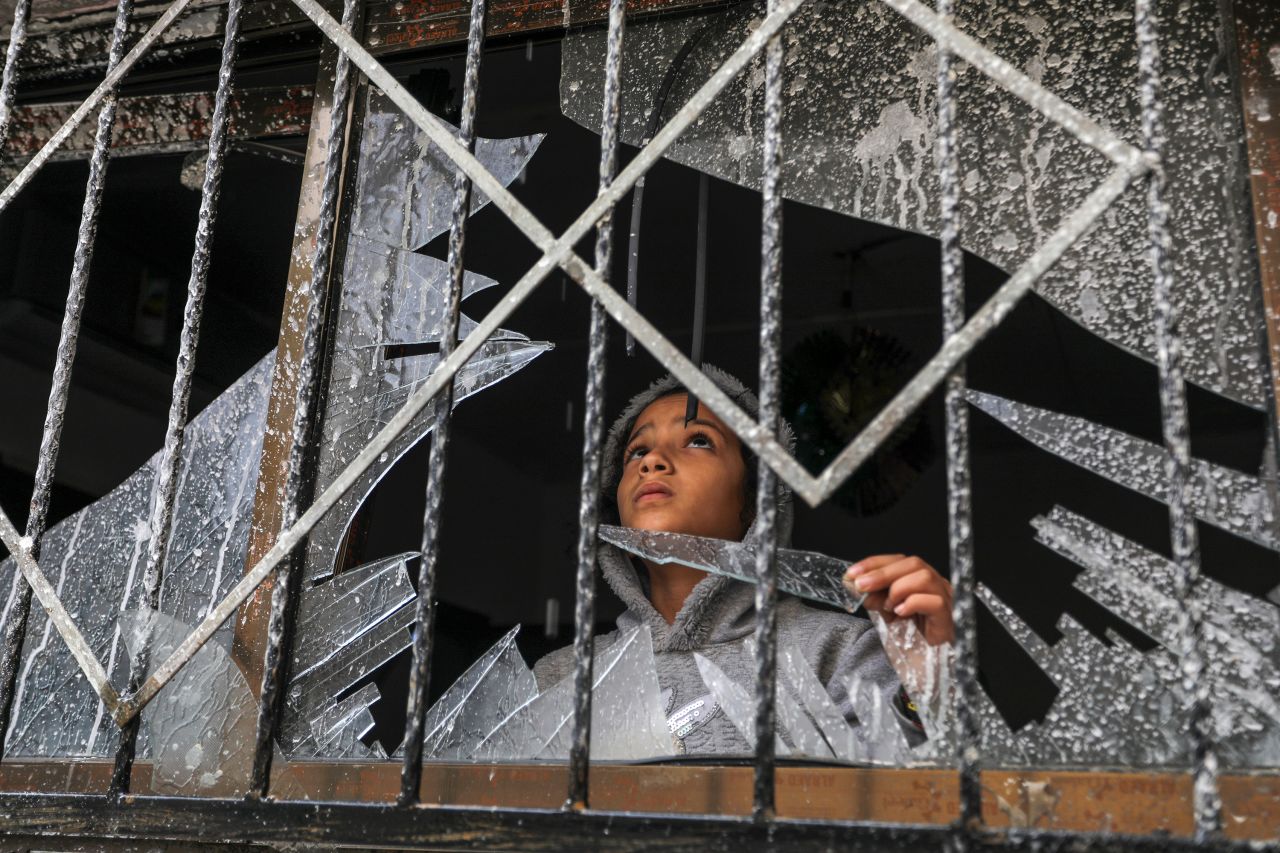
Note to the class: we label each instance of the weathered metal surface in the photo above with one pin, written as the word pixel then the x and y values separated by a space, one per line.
pixel 70 42
pixel 148 121
pixel 171 460
pixel 281 625
pixel 424 616
pixel 1058 800
pixel 1258 38
pixel 959 481
pixel 66 39
pixel 101 95
pixel 765 534
pixel 593 433
pixel 249 642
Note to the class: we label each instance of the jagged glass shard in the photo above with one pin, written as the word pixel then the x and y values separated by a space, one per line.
pixel 405 193
pixel 627 720
pixel 489 691
pixel 866 150
pixel 795 672
pixel 199 730
pixel 373 629
pixel 1230 500
pixel 311 697
pixel 739 707
pixel 794 719
pixel 1241 635
pixel 338 729
pixel 392 307
pixel 340 612
pixel 927 673
pixel 95 560
pixel 878 737
pixel 1111 708
pixel 806 574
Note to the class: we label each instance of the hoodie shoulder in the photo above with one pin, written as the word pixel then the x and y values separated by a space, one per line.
pixel 554 667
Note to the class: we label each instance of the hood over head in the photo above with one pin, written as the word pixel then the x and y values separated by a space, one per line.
pixel 718 609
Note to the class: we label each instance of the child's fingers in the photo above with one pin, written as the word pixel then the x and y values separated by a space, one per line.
pixel 868 564
pixel 876 601
pixel 924 580
pixel 927 604
pixel 864 568
pixel 872 577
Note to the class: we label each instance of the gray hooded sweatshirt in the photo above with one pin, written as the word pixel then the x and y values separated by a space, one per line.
pixel 719 615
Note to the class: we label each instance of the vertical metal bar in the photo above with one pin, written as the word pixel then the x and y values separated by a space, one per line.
pixel 764 801
pixel 249 638
pixel 959 510
pixel 13 54
pixel 593 429
pixel 1206 802
pixel 275 670
pixel 175 431
pixel 1249 29
pixel 55 413
pixel 633 255
pixel 420 674
pixel 699 292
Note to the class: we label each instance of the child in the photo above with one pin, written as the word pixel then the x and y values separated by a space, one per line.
pixel 660 473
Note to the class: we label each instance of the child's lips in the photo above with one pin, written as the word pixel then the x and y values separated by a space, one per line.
pixel 652 492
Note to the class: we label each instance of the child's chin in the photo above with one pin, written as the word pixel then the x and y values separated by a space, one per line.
pixel 658 522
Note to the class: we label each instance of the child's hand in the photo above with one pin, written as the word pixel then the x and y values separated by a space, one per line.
pixel 899 587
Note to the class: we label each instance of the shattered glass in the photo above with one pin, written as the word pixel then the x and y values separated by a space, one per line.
pixel 794 719
pixel 803 684
pixel 347 627
pixel 737 704
pixel 392 303
pixel 94 559
pixel 807 574
pixel 489 691
pixel 859 125
pixel 199 732
pixel 389 323
pixel 1112 707
pixel 627 719
pixel 1225 498
pixel 391 313
pixel 1241 634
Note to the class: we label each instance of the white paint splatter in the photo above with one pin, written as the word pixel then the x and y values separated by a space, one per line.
pixel 879 152
pixel 1006 241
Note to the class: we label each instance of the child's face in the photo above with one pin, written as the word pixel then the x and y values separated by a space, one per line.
pixel 682 479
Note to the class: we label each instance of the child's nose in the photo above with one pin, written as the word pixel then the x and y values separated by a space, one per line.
pixel 654 460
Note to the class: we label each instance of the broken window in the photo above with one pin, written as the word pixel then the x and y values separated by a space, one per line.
pixel 430 592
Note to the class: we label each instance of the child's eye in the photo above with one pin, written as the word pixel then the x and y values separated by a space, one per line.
pixel 634 452
pixel 700 440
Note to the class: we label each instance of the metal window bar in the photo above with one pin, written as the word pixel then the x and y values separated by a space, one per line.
pixel 1206 803
pixel 283 605
pixel 593 430
pixel 959 518
pixel 764 805
pixel 1130 164
pixel 9 77
pixel 171 456
pixel 415 716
